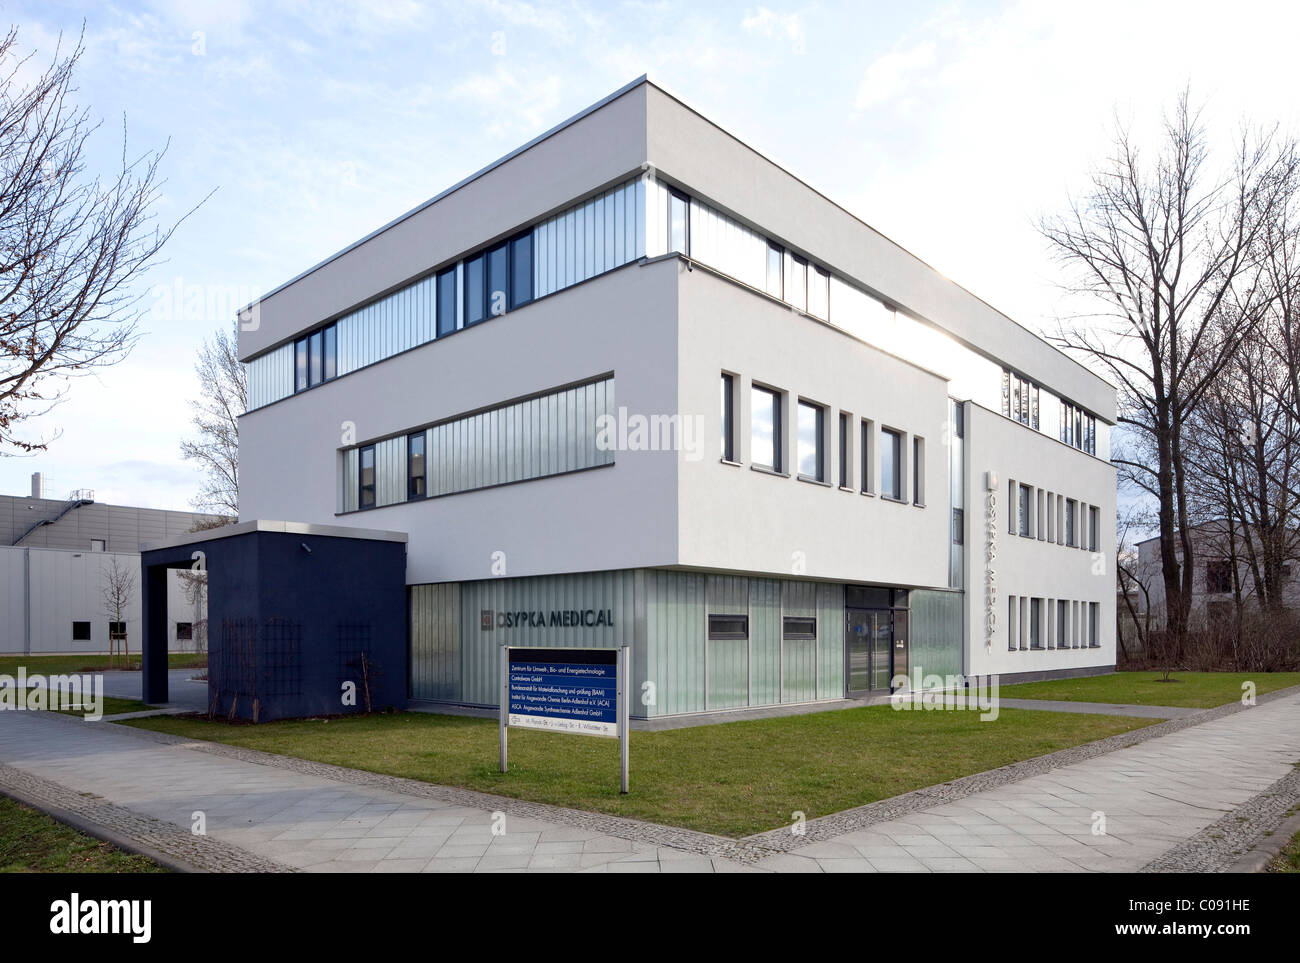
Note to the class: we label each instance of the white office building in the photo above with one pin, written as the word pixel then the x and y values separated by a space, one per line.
pixel 636 383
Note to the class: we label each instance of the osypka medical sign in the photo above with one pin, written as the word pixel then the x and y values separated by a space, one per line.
pixel 564 690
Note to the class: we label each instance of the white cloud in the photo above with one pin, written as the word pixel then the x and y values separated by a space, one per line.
pixel 893 74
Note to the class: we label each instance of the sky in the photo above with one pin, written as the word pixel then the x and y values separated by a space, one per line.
pixel 952 128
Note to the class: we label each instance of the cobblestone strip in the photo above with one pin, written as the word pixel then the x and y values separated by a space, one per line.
pixel 750 849
pixel 1221 843
pixel 198 852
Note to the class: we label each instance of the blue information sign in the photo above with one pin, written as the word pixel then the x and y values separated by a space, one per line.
pixel 564 690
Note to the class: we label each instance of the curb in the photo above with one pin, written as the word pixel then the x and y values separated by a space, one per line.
pixel 1257 860
pixel 102 833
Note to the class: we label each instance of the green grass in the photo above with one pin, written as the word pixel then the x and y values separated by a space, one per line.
pixel 109 705
pixel 32 842
pixel 733 779
pixel 1200 690
pixel 91 662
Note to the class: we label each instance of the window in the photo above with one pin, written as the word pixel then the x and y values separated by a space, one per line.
pixel 1023 509
pixel 117 630
pixel 1035 623
pixel 498 280
pixel 728 627
pixel 774 258
pixel 728 418
pixel 315 358
pixel 844 450
pixel 1069 523
pixel 679 222
pixel 366 488
pixel 1094 610
pixel 1218 575
pixel 475 281
pixel 1020 399
pixel 796 282
pixel 1062 634
pixel 1013 617
pixel 891 469
pixel 521 269
pixel 798 627
pixel 184 631
pixel 98 545
pixel 918 471
pixel 765 434
pixel 80 631
pixel 867 461
pixel 819 293
pixel 958 526
pixel 812 461
pixel 415 469
pixel 446 301
pixel 1094 527
pixel 1078 428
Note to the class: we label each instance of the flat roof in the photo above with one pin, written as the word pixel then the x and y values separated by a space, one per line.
pixel 283 528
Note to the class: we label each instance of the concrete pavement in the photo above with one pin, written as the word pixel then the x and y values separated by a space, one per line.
pixel 1146 800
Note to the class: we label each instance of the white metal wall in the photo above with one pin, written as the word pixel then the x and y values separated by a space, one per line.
pixel 270 377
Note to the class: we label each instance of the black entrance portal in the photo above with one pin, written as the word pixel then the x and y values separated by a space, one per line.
pixel 876 639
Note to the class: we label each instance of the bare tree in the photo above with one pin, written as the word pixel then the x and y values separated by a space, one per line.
pixel 1157 247
pixel 72 246
pixel 223 398
pixel 118 591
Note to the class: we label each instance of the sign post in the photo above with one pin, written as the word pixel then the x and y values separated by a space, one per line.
pixel 579 691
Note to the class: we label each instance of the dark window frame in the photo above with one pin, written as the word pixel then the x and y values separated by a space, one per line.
pixel 728 403
pixel 721 634
pixel 415 491
pixel 675 194
pixel 778 436
pixel 799 628
pixel 819 428
pixel 844 449
pixel 445 276
pixel 361 478
pixel 188 635
pixel 310 370
pixel 81 630
pixel 893 439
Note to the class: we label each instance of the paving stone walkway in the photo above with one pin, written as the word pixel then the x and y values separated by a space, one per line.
pixel 1160 791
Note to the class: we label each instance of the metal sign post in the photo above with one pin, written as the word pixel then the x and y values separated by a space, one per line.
pixel 579 691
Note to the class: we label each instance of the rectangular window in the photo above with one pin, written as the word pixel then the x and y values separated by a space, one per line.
pixel 765 433
pixel 498 280
pixel 844 450
pixel 475 288
pixel 1094 615
pixel 80 631
pixel 1069 523
pixel 679 222
pixel 300 381
pixel 819 293
pixel 331 351
pixel 1062 624
pixel 797 627
pixel 98 545
pixel 918 471
pixel 774 258
pixel 317 350
pixel 184 631
pixel 867 460
pixel 1023 509
pixel 812 462
pixel 1218 576
pixel 416 486
pixel 366 487
pixel 447 301
pixel 891 464
pixel 728 418
pixel 1094 527
pixel 958 526
pixel 728 627
pixel 1035 623
pixel 521 270
pixel 796 282
pixel 1013 618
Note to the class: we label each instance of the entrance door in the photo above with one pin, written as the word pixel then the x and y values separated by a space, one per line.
pixel 877 648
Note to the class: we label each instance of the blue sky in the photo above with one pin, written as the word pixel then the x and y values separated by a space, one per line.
pixel 948 126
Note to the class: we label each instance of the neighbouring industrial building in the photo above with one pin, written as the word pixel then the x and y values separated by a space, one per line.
pixel 636 383
pixel 57 556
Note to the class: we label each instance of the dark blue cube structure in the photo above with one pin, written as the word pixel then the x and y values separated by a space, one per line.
pixel 303 620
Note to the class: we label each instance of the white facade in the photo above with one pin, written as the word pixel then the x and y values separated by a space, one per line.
pixel 636 311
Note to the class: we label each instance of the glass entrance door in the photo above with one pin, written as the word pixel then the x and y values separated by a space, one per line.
pixel 877 648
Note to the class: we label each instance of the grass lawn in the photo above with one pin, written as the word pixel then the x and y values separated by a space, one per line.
pixel 32 842
pixel 1200 690
pixel 733 779
pixel 91 662
pixel 110 705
